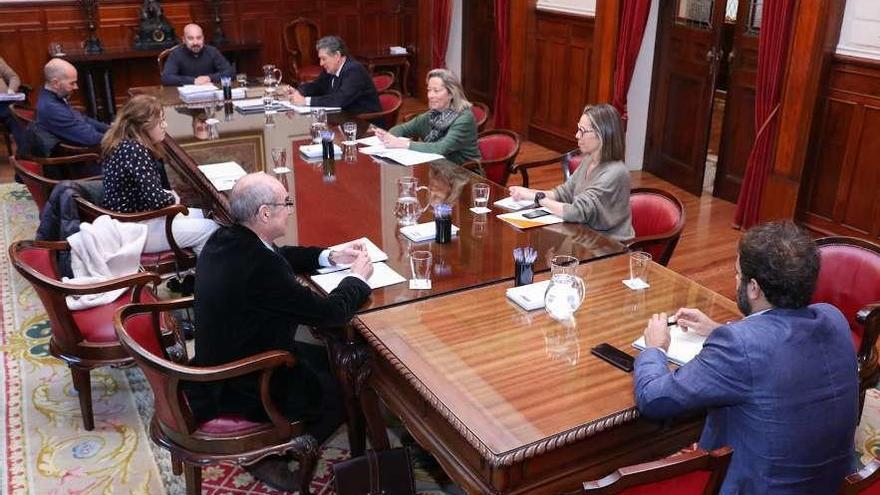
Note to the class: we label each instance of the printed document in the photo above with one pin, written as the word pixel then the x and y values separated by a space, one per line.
pixel 383 275
pixel 223 175
pixel 376 255
pixel 683 347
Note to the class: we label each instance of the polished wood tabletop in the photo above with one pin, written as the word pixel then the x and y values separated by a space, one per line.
pixel 513 385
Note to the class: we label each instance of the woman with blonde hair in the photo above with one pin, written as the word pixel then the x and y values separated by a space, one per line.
pixel 597 194
pixel 135 179
pixel 448 127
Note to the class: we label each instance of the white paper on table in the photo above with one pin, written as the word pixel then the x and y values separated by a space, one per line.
pixel 405 157
pixel 422 232
pixel 306 109
pixel 371 141
pixel 223 175
pixel 376 255
pixel 479 210
pixel 519 221
pixel 383 275
pixel 529 297
pixel 11 96
pixel 511 204
pixel 257 105
pixel 683 347
pixel 635 284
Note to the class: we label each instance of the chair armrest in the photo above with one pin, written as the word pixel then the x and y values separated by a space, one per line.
pixel 869 318
pixel 66 160
pixel 69 149
pixel 169 212
pixel 135 281
pixel 474 166
pixel 863 314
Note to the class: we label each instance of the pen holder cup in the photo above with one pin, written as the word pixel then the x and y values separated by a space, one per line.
pixel 524 273
pixel 443 226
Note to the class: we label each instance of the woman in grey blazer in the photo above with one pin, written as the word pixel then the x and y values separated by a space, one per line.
pixel 597 193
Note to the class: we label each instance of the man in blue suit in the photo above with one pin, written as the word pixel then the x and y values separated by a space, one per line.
pixel 780 385
pixel 54 113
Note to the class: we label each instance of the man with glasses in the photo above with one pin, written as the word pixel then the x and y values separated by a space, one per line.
pixel 248 300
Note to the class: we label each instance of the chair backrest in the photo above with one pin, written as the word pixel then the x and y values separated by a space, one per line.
pixel 481 114
pixel 300 36
pixel 864 482
pixel 383 80
pixel 570 162
pixel 690 473
pixel 163 55
pixel 31 174
pixel 391 101
pixel 23 115
pixel 658 219
pixel 498 149
pixel 849 278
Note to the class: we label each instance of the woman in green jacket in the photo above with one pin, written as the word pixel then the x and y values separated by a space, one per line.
pixel 448 127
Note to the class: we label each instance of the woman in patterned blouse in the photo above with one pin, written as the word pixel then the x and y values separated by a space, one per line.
pixel 135 180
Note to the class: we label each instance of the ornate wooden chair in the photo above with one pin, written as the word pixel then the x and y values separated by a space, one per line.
pixel 391 100
pixel 498 148
pixel 27 116
pixel 32 173
pixel 163 56
pixel 300 36
pixel 696 472
pixel 864 482
pixel 224 438
pixel 481 114
pixel 84 339
pixel 568 162
pixel 658 219
pixel 383 80
pixel 849 278
pixel 173 261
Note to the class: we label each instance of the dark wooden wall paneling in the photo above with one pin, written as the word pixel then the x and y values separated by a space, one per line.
pixel 844 176
pixel 560 81
pixel 26 30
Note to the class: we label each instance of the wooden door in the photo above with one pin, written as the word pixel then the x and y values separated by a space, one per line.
pixel 478 74
pixel 738 128
pixel 686 63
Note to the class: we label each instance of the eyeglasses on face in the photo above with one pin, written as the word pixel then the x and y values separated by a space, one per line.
pixel 287 202
pixel 582 130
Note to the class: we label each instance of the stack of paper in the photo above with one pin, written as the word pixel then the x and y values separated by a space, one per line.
pixel 422 232
pixel 11 96
pixel 402 156
pixel 317 151
pixel 383 275
pixel 306 109
pixel 191 93
pixel 255 105
pixel 683 347
pixel 519 221
pixel 371 141
pixel 223 175
pixel 373 252
pixel 511 204
pixel 529 297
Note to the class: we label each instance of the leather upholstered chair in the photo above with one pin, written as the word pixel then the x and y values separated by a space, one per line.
pixel 26 116
pixel 849 278
pixel 383 80
pixel 696 472
pixel 568 162
pixel 300 36
pixel 864 482
pixel 84 339
pixel 481 114
pixel 163 56
pixel 173 261
pixel 225 438
pixel 658 219
pixel 32 173
pixel 498 149
pixel 391 101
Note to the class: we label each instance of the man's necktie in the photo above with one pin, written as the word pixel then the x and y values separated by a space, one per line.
pixel 333 82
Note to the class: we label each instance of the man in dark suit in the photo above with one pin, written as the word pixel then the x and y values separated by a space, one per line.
pixel 54 113
pixel 247 301
pixel 345 82
pixel 780 385
pixel 195 62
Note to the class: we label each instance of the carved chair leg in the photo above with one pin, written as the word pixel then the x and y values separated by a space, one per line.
pixel 306 453
pixel 193 475
pixel 176 465
pixel 375 424
pixel 83 384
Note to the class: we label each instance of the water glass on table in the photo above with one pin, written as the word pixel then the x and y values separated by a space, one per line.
pixel 420 263
pixel 480 195
pixel 638 266
pixel 279 159
pixel 241 79
pixel 350 129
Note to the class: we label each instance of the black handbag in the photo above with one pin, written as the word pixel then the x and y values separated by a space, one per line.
pixel 384 472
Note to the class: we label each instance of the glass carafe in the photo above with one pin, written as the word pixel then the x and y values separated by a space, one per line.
pixel 566 291
pixel 271 76
pixel 408 208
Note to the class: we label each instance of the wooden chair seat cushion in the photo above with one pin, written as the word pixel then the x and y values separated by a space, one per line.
pixel 162 257
pixel 96 324
pixel 230 424
pixel 693 483
pixel 849 278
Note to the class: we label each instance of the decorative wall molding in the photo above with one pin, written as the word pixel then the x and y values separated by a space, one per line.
pixel 586 8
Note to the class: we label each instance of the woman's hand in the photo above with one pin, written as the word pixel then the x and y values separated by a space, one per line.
pixel 519 193
pixel 392 141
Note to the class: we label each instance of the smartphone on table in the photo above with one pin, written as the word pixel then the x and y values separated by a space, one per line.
pixel 535 214
pixel 614 356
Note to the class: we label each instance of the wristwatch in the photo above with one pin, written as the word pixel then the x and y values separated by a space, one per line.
pixel 538 197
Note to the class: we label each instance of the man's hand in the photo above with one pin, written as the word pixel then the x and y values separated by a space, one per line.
pixel 694 320
pixel 520 193
pixel 362 266
pixel 657 333
pixel 348 254
pixel 202 80
pixel 297 98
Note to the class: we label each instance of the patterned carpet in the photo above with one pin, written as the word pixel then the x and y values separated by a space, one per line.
pixel 46 450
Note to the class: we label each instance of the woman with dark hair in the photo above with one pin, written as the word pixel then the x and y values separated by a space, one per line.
pixel 448 127
pixel 597 194
pixel 135 180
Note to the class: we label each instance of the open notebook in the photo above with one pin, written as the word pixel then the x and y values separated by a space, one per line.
pixel 683 347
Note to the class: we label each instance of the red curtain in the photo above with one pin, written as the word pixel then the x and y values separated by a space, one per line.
pixel 502 50
pixel 776 23
pixel 442 22
pixel 629 40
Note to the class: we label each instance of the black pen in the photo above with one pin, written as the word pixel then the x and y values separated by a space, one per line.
pixel 671 321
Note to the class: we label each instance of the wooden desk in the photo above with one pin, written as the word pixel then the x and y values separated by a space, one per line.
pixel 400 63
pixel 510 401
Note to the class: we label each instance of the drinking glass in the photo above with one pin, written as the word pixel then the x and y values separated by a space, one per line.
pixel 480 195
pixel 241 79
pixel 350 129
pixel 638 266
pixel 420 263
pixel 279 158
